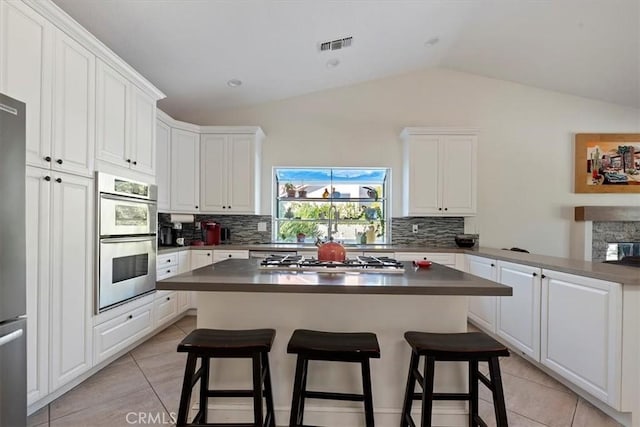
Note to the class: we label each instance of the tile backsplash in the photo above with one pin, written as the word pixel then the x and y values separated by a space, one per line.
pixel 432 231
pixel 242 228
pixel 612 232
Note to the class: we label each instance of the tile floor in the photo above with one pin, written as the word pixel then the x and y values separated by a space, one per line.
pixel 148 379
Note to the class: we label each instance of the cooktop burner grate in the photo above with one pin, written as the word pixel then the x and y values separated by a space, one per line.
pixel 359 263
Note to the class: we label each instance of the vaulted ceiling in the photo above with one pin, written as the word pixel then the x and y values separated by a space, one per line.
pixel 190 49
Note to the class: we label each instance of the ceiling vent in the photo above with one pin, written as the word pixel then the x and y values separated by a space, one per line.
pixel 336 44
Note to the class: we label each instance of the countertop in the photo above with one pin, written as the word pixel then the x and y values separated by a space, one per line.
pixel 242 275
pixel 597 270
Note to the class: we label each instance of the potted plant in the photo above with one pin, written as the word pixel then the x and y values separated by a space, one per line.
pixel 302 191
pixel 290 189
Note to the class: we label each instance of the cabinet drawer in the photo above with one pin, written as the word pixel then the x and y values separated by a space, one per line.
pixel 116 334
pixel 166 308
pixel 164 272
pixel 437 257
pixel 222 255
pixel 167 260
pixel 201 258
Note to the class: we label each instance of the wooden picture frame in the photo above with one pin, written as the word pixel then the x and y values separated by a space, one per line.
pixel 607 163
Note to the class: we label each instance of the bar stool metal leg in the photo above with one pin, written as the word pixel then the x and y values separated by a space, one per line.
pixel 303 391
pixel 268 393
pixel 368 393
pixel 204 386
pixel 257 391
pixel 410 390
pixel 427 390
pixel 185 397
pixel 297 395
pixel 498 393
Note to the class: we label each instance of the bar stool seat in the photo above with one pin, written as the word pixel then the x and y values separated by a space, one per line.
pixel 472 347
pixel 356 347
pixel 205 344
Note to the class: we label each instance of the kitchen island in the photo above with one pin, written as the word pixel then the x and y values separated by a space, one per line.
pixel 236 294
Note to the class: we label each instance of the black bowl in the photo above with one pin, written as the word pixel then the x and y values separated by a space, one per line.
pixel 465 241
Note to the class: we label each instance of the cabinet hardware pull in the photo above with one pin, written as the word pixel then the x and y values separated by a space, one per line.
pixel 48 158
pixel 58 180
pixel 47 178
pixel 439 209
pixel 196 207
pixel 168 271
pixel 446 209
pixel 59 161
pixel 130 316
pixel 208 254
pixel 135 163
pixel 168 260
pixel 224 207
pixel 229 255
pixel 229 207
pixel 535 274
pixel 543 276
pixel 493 265
pixel 128 160
pixel 168 298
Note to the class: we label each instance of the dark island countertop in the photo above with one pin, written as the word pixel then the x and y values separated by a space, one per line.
pixel 242 275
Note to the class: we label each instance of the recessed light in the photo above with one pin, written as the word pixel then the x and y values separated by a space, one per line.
pixel 234 83
pixel 432 41
pixel 333 63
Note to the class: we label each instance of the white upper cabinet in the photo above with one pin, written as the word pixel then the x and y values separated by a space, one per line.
pixel 439 172
pixel 125 122
pixel 163 165
pixel 74 107
pixel 185 167
pixel 230 170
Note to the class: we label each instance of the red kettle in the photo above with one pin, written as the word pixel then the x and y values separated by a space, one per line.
pixel 331 251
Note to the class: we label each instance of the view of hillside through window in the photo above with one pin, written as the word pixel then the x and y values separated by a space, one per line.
pixel 346 204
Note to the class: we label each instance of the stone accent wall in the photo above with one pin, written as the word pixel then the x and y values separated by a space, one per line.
pixel 432 231
pixel 611 232
pixel 243 228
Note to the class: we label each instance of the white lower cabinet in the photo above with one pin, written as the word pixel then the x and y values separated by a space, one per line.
pixel 59 282
pixel 184 301
pixel 222 255
pixel 518 316
pixel 113 335
pixel 166 307
pixel 482 309
pixel 581 332
pixel 184 261
pixel 201 258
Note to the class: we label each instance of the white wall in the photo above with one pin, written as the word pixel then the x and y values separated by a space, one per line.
pixel 525 150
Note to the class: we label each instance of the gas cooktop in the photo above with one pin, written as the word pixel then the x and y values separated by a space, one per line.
pixel 363 264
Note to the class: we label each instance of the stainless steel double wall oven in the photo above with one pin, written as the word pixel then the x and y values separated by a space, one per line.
pixel 127 227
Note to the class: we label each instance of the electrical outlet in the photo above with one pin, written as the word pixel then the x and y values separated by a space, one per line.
pixel 414 228
pixel 262 226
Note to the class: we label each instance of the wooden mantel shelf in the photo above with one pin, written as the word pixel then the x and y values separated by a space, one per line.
pixel 607 213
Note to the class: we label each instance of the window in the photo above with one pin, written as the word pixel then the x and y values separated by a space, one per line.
pixel 346 204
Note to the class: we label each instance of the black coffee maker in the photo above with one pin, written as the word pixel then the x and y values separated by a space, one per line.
pixel 165 237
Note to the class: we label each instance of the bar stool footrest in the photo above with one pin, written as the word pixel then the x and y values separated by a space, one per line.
pixel 333 396
pixel 229 393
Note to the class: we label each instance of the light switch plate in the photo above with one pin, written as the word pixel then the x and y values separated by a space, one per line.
pixel 414 228
pixel 262 226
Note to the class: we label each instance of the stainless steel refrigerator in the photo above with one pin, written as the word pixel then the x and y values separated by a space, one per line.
pixel 13 320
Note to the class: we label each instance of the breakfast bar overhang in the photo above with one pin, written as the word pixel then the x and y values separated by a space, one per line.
pixel 237 294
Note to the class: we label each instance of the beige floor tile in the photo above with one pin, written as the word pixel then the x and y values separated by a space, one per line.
pixel 589 416
pixel 187 324
pixel 520 367
pixel 111 383
pixel 163 366
pixel 39 417
pixel 139 408
pixel 125 358
pixel 487 413
pixel 534 401
pixel 165 341
pixel 169 393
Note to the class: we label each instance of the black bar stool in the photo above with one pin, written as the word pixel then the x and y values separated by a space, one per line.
pixel 356 347
pixel 472 347
pixel 209 343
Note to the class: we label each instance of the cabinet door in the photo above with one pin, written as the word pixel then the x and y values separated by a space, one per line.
pixel 422 178
pixel 458 167
pixel 482 310
pixel 581 332
pixel 201 258
pixel 38 199
pixel 74 107
pixel 518 316
pixel 213 173
pixel 141 146
pixel 184 261
pixel 241 191
pixel 72 277
pixel 26 52
pixel 163 165
pixel 166 308
pixel 184 301
pixel 112 125
pixel 185 182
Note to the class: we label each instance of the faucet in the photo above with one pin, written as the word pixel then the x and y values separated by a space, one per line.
pixel 336 217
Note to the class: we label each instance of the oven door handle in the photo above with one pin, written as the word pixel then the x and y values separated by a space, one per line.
pixel 128 239
pixel 127 199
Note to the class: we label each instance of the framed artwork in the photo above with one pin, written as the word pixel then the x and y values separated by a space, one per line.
pixel 607 163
